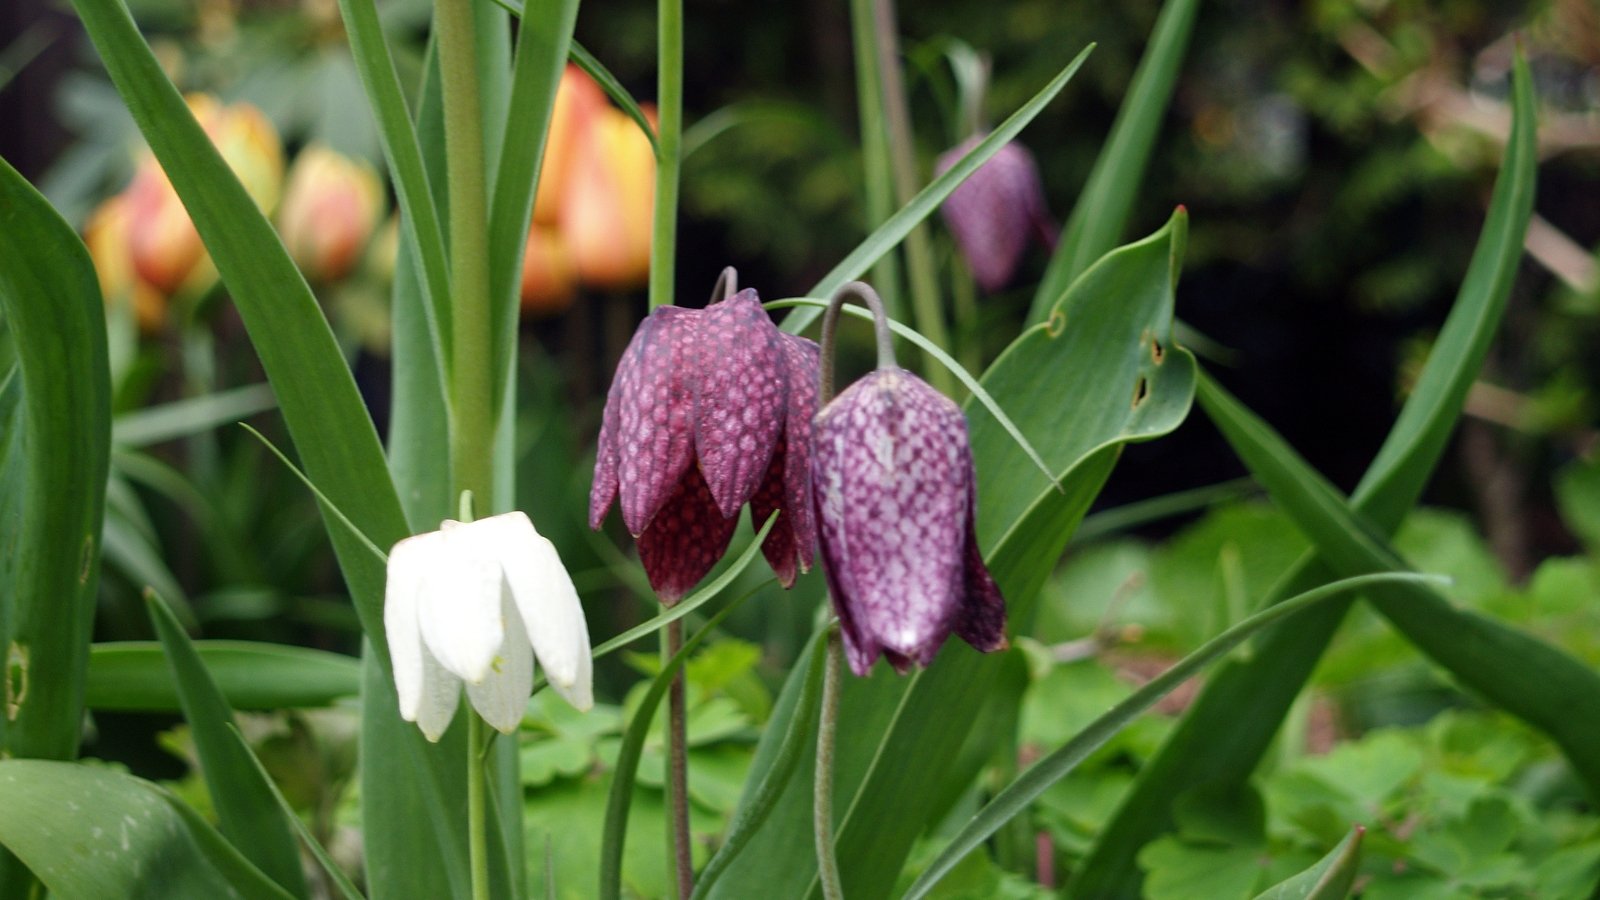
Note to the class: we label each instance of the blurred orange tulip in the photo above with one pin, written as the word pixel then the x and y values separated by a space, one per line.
pixel 166 249
pixel 330 208
pixel 107 238
pixel 578 100
pixel 610 196
pixel 548 280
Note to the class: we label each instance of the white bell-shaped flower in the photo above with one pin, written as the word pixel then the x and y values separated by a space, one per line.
pixel 475 603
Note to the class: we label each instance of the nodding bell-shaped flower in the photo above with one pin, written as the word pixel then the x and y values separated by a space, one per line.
pixel 476 602
pixel 992 213
pixel 710 409
pixel 895 499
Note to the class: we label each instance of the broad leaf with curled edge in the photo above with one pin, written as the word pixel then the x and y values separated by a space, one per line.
pixel 1070 386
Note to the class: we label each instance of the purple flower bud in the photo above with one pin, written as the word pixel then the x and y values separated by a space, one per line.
pixel 992 213
pixel 894 493
pixel 701 418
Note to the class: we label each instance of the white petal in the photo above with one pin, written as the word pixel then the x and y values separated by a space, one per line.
pixel 459 610
pixel 428 694
pixel 503 695
pixel 549 605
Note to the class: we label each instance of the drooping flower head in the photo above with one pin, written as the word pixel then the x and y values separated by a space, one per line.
pixel 992 214
pixel 476 603
pixel 709 410
pixel 895 499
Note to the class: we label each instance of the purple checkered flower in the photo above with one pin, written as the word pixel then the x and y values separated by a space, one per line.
pixel 895 498
pixel 709 410
pixel 992 213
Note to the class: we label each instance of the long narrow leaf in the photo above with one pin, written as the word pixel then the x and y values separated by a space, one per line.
pixel 1101 213
pixel 181 418
pixel 893 231
pixel 419 213
pixel 50 546
pixel 1330 879
pixel 340 880
pixel 1233 719
pixel 618 94
pixel 133 675
pixel 1019 794
pixel 242 794
pixel 1523 675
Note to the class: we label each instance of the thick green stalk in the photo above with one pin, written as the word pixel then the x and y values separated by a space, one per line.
pixel 470 382
pixel 669 140
pixel 921 272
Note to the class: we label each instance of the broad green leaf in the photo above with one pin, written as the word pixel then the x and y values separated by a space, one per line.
pixel 1330 879
pixel 1232 721
pixel 133 675
pixel 627 766
pixel 241 793
pixel 1018 795
pixel 1526 677
pixel 57 465
pixel 181 418
pixel 893 231
pixel 1069 386
pixel 90 832
pixel 1101 213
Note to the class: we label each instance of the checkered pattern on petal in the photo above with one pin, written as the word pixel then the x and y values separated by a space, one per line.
pixel 740 397
pixel 685 539
pixel 653 440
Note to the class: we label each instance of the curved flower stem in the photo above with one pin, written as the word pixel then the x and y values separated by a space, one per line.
pixel 477 808
pixel 864 293
pixel 678 769
pixel 822 788
pixel 669 140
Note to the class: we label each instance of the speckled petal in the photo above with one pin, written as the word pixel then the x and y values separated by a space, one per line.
pixel 982 619
pixel 646 446
pixel 893 487
pixel 740 401
pixel 802 357
pixel 685 539
pixel 993 212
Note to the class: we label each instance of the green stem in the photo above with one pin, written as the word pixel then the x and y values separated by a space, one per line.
pixel 669 140
pixel 921 271
pixel 822 788
pixel 678 769
pixel 470 382
pixel 477 808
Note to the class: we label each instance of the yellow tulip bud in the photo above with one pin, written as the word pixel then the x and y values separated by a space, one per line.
pixel 330 208
pixel 578 100
pixel 548 281
pixel 610 197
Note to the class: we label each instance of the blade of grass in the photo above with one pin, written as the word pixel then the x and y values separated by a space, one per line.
pixel 134 675
pixel 894 230
pixel 1232 721
pixel 1017 796
pixel 242 794
pixel 877 175
pixel 1101 213
pixel 181 418
pixel 1330 879
pixel 614 89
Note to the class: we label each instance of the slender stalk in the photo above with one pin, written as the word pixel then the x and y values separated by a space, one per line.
pixel 921 272
pixel 867 297
pixel 669 140
pixel 470 381
pixel 477 808
pixel 822 788
pixel 678 769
